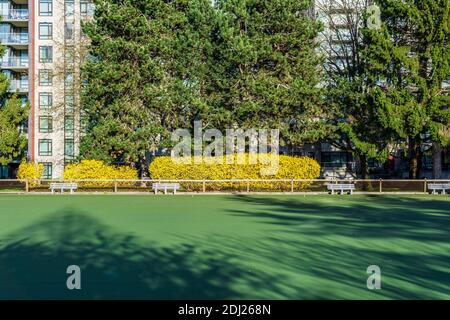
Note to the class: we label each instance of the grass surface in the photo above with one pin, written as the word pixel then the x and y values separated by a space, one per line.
pixel 225 247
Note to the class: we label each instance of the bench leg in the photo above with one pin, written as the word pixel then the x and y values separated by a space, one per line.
pixel 174 191
pixel 165 190
pixel 332 191
pixel 156 190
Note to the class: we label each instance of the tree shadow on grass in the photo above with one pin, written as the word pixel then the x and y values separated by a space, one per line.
pixel 334 242
pixel 370 217
pixel 33 263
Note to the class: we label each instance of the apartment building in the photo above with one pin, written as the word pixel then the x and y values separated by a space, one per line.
pixel 44 46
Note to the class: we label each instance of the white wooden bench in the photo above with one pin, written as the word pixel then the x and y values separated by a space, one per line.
pixel 165 187
pixel 436 187
pixel 63 186
pixel 341 187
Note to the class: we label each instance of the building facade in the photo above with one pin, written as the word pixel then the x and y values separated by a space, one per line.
pixel 44 46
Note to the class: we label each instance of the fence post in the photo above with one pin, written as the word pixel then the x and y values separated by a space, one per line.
pixel 204 186
pixel 381 185
pixel 26 185
pixel 248 186
pixel 425 185
pixel 292 185
pixel 115 186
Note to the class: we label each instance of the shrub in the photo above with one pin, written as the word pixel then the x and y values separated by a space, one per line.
pixel 98 170
pixel 30 171
pixel 164 168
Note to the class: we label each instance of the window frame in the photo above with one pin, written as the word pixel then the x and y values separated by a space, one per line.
pixel 73 147
pixel 49 81
pixel 49 151
pixel 72 119
pixel 49 5
pixel 49 96
pixel 49 128
pixel 49 167
pixel 49 26
pixel 50 54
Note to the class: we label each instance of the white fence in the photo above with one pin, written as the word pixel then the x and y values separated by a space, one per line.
pixel 224 186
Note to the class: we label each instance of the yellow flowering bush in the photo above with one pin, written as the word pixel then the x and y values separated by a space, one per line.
pixel 217 168
pixel 98 170
pixel 30 171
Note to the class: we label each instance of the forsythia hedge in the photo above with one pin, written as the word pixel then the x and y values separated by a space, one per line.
pixel 30 171
pixel 165 168
pixel 95 169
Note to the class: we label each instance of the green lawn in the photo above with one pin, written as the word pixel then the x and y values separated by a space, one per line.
pixel 224 247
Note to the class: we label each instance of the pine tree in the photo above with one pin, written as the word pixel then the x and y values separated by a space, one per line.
pixel 145 75
pixel 409 60
pixel 266 71
pixel 160 65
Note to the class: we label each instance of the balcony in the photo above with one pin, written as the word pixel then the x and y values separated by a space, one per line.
pixel 17 40
pixel 20 86
pixel 16 17
pixel 15 14
pixel 14 63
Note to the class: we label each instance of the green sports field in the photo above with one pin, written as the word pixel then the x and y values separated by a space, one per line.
pixel 224 247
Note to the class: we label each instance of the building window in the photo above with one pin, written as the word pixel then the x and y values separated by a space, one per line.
pixel 45 147
pixel 335 159
pixel 45 77
pixel 45 124
pixel 45 54
pixel 87 8
pixel 4 172
pixel 47 170
pixel 427 161
pixel 45 100
pixel 69 8
pixel 69 103
pixel 24 100
pixel 45 7
pixel 45 30
pixel 23 127
pixel 69 147
pixel 69 124
pixel 68 30
pixel 68 79
pixel 69 56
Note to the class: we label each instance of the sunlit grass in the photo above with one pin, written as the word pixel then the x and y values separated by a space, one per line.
pixel 225 247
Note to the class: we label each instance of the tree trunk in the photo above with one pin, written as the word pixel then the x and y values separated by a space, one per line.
pixel 363 162
pixel 414 157
pixel 437 160
pixel 143 169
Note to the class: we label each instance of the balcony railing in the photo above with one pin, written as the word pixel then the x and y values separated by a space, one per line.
pixel 18 85
pixel 13 63
pixel 15 14
pixel 14 38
